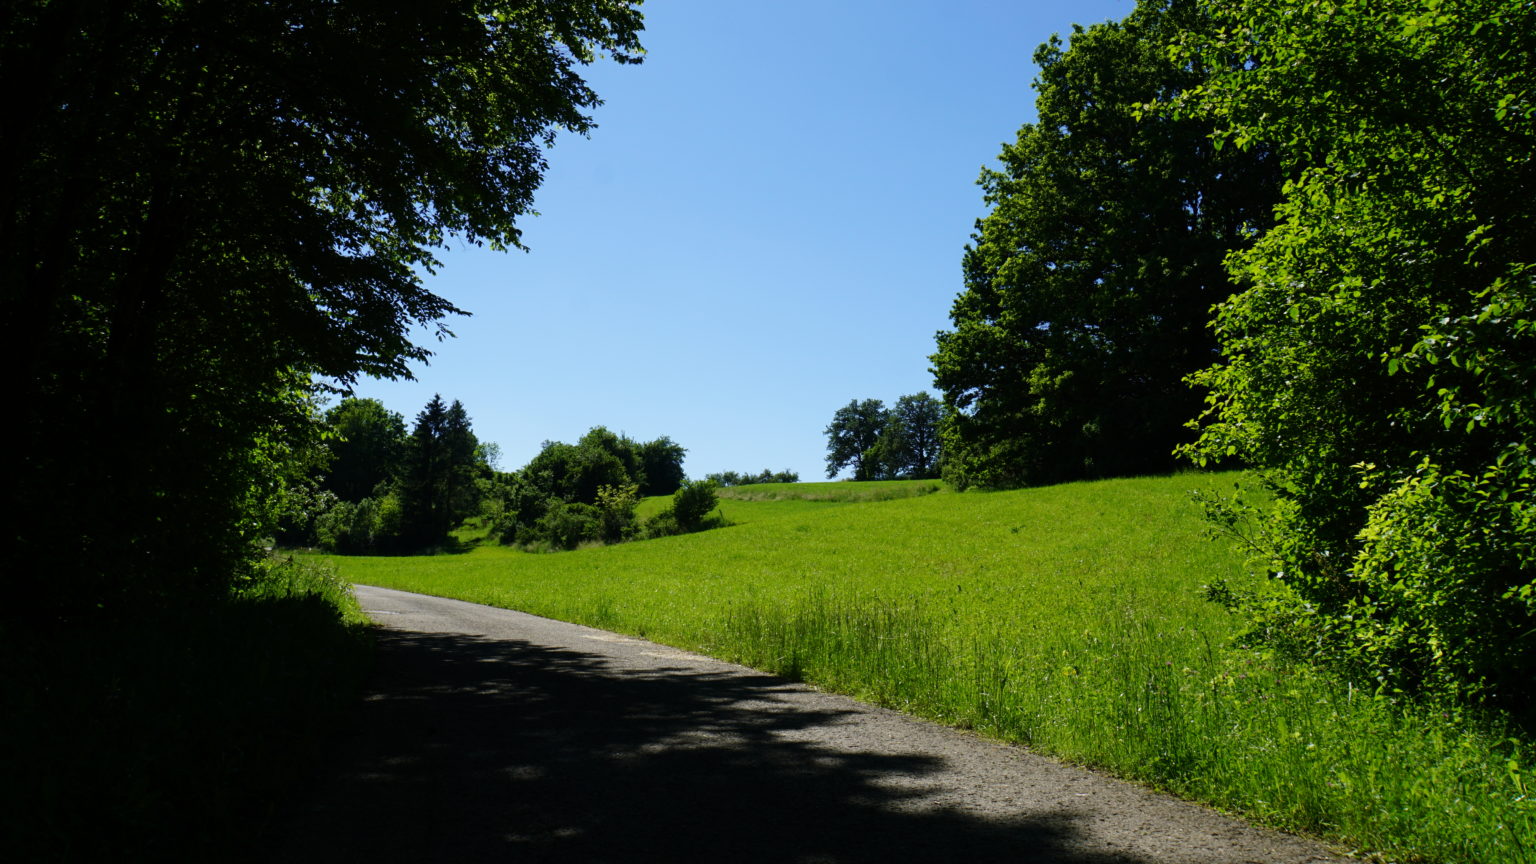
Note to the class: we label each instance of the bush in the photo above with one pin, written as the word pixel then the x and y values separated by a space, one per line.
pixel 370 526
pixel 663 524
pixel 692 504
pixel 616 512
pixel 566 524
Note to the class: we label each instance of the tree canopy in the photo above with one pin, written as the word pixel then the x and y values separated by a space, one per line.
pixel 885 444
pixel 909 444
pixel 1088 286
pixel 584 492
pixel 203 204
pixel 661 463
pixel 367 445
pixel 851 438
pixel 1378 364
pixel 438 487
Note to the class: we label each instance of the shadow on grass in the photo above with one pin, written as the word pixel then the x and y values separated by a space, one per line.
pixel 475 749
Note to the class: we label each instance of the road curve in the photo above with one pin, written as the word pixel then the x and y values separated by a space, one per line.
pixel 491 735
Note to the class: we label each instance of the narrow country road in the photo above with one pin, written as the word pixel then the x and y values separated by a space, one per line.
pixel 491 735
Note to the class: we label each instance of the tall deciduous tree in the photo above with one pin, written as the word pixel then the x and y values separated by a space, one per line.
pixel 662 464
pixel 851 438
pixel 1379 364
pixel 1088 287
pixel 367 446
pixel 909 443
pixel 204 203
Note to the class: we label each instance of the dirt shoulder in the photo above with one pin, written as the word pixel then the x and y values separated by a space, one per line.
pixel 491 735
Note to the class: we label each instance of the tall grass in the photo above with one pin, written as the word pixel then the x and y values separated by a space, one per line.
pixel 1067 618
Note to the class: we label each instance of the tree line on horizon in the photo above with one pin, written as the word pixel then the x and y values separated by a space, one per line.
pixel 747 478
pixel 374 488
pixel 1296 237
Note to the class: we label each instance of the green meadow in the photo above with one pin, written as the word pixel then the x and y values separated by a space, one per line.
pixel 1069 618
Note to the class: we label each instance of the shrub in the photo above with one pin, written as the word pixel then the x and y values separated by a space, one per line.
pixel 692 503
pixel 566 524
pixel 370 526
pixel 616 512
pixel 663 524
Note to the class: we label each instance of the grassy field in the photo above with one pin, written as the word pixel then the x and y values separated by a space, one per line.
pixel 1067 618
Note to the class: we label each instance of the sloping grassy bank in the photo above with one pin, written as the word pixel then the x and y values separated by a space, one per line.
pixel 1067 618
pixel 177 737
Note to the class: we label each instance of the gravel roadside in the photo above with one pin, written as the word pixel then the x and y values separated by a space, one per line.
pixel 492 735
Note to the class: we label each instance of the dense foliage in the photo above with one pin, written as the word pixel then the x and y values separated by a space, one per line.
pixel 376 489
pixel 367 444
pixel 437 486
pixel 1088 286
pixel 886 444
pixel 690 509
pixel 204 203
pixel 1379 363
pixel 661 462
pixel 585 492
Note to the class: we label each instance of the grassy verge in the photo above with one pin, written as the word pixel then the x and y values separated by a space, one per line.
pixel 180 737
pixel 1067 618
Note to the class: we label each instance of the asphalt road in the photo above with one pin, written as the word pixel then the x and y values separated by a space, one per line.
pixel 491 735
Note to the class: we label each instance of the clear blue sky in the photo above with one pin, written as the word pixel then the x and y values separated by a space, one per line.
pixel 767 223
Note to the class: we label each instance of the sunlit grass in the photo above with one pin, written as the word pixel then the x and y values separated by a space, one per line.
pixel 1066 618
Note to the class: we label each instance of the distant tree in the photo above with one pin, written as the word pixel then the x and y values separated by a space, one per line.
pixel 490 455
pixel 567 524
pixel 851 438
pixel 616 512
pixel 622 448
pixel 367 445
pixel 513 505
pixel 1088 287
pixel 438 488
pixel 909 442
pixel 575 472
pixel 572 493
pixel 662 464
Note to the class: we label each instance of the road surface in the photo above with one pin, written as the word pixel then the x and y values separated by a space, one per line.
pixel 491 735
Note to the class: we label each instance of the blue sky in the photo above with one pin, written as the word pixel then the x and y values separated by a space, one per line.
pixel 767 223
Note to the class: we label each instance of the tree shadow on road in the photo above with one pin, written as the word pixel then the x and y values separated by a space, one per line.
pixel 477 749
